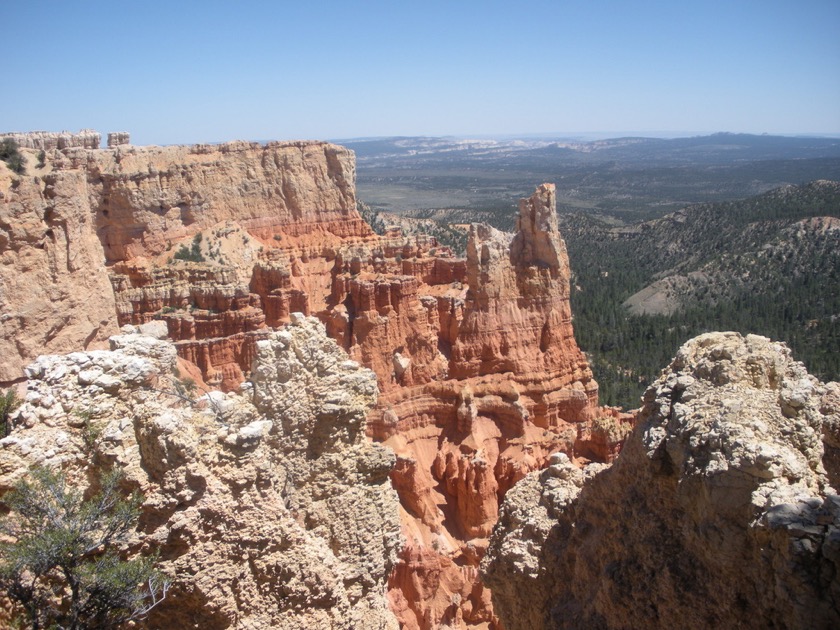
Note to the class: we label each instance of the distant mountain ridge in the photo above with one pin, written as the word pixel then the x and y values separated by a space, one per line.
pixel 769 264
pixel 719 248
pixel 719 145
pixel 626 179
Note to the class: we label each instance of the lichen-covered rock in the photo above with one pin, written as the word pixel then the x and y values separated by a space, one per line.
pixel 719 511
pixel 269 508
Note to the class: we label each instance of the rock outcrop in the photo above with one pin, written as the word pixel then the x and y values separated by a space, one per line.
pixel 269 508
pixel 118 138
pixel 479 373
pixel 719 512
pixel 49 140
pixel 55 295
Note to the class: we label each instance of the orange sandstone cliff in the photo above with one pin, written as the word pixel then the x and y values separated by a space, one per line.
pixel 479 373
pixel 90 217
pixel 515 389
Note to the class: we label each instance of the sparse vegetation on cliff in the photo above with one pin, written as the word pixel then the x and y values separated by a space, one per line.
pixel 193 253
pixel 63 569
pixel 13 158
pixel 9 401
pixel 371 216
pixel 443 232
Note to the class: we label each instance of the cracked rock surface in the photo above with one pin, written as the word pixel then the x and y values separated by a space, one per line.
pixel 719 512
pixel 268 507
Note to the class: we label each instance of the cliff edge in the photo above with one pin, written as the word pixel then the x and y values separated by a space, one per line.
pixel 719 512
pixel 86 233
pixel 267 507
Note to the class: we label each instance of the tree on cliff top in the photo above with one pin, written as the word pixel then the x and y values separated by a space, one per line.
pixel 11 156
pixel 62 570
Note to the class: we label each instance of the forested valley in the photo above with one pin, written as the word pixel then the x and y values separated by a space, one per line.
pixel 666 238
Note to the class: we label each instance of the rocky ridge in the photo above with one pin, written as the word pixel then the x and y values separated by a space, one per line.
pixel 720 510
pixel 268 507
pixel 479 373
pixel 791 232
pixel 49 140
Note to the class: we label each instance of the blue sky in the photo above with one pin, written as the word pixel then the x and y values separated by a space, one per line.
pixel 183 72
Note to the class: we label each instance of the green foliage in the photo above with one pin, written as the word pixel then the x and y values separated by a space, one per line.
pixel 10 154
pixel 371 217
pixel 63 570
pixel 8 147
pixel 445 235
pixel 9 401
pixel 42 159
pixel 192 254
pixel 91 431
pixel 759 272
pixel 185 388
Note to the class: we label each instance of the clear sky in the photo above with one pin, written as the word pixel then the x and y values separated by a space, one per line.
pixel 183 71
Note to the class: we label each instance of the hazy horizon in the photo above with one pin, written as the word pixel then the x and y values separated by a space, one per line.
pixel 183 73
pixel 582 137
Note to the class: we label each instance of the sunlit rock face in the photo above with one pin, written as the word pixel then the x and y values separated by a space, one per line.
pixel 268 508
pixel 479 373
pixel 55 295
pixel 719 512
pixel 91 215
pixel 516 389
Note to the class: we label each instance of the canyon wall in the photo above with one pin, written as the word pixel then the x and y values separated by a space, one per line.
pixel 479 373
pixel 720 511
pixel 135 205
pixel 146 197
pixel 55 294
pixel 268 507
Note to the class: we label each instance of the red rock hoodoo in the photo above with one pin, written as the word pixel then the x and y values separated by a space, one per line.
pixel 480 375
pixel 513 388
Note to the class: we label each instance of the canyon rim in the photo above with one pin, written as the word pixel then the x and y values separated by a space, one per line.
pixel 362 403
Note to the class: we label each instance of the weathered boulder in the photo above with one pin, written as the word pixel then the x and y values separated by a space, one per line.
pixel 269 508
pixel 719 512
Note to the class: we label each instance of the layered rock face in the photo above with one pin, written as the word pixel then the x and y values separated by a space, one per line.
pixel 147 197
pixel 719 512
pixel 55 295
pixel 514 388
pixel 269 508
pixel 131 207
pixel 481 378
pixel 517 317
